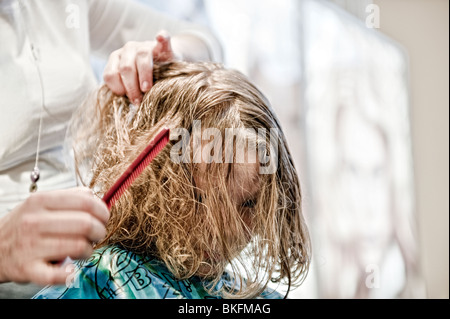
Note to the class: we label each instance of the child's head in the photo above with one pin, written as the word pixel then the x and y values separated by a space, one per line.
pixel 202 204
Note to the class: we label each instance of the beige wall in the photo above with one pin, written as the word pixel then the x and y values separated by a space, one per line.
pixel 422 27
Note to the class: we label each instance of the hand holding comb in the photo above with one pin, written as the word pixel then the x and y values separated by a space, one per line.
pixel 136 168
pixel 132 172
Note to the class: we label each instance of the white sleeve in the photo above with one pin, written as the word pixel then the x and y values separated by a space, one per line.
pixel 112 23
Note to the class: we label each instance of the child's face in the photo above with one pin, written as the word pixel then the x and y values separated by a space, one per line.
pixel 243 188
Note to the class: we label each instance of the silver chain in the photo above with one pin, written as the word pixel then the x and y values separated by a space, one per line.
pixel 35 173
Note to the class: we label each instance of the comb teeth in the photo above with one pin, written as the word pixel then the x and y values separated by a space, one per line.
pixel 136 168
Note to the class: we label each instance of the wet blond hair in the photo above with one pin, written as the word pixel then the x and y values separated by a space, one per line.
pixel 164 214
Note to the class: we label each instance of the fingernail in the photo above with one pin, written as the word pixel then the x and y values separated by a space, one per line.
pixel 136 102
pixel 165 34
pixel 145 85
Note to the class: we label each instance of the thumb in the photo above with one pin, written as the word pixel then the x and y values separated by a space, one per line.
pixel 163 50
pixel 44 273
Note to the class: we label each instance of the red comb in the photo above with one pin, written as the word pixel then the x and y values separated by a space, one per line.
pixel 136 168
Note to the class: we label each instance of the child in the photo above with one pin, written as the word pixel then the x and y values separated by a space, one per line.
pixel 198 222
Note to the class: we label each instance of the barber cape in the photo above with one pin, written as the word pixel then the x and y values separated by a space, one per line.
pixel 114 273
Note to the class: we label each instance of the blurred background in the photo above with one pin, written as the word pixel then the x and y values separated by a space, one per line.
pixel 361 90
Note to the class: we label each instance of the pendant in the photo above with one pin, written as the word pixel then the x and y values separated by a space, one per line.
pixel 34 176
pixel 33 187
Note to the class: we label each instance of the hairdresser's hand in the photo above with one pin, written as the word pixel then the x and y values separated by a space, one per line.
pixel 129 70
pixel 49 226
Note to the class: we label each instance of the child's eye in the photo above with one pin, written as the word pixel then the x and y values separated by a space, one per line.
pixel 249 203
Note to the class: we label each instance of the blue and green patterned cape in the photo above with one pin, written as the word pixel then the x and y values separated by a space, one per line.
pixel 114 273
